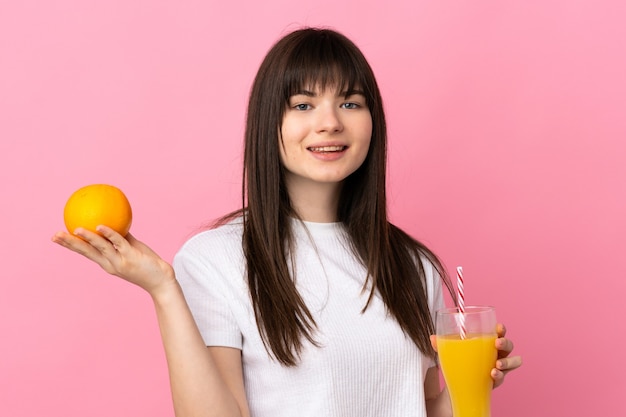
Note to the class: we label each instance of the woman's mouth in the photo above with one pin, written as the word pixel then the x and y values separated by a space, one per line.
pixel 327 149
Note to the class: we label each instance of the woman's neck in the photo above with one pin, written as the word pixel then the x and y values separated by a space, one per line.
pixel 315 202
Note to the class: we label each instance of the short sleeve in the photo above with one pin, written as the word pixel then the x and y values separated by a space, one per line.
pixel 434 289
pixel 435 292
pixel 208 296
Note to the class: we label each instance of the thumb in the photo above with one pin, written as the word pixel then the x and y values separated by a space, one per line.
pixel 433 341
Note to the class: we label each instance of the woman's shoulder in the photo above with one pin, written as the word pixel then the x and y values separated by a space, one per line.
pixel 224 237
pixel 211 260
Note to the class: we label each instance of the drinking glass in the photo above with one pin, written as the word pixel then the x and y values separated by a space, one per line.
pixel 467 353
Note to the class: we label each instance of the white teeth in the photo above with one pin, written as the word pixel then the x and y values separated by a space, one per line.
pixel 327 148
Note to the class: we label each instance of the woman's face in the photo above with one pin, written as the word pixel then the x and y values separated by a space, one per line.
pixel 325 136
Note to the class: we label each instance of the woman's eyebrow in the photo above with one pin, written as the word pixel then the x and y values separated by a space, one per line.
pixel 304 93
pixel 353 92
pixel 346 93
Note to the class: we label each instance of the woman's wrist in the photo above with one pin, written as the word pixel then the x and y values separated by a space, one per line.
pixel 166 290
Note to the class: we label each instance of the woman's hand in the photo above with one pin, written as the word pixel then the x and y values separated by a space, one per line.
pixel 504 363
pixel 127 257
pixel 203 381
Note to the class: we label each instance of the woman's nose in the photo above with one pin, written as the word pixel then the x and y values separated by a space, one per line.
pixel 329 120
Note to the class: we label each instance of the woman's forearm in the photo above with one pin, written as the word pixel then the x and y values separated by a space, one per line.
pixel 439 406
pixel 198 388
pixel 437 400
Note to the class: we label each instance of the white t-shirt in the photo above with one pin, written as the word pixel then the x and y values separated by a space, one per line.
pixel 365 366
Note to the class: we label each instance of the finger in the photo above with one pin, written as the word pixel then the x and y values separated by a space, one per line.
pixel 142 247
pixel 498 377
pixel 72 242
pixel 66 240
pixel 505 347
pixel 509 363
pixel 112 236
pixel 131 239
pixel 503 367
pixel 99 242
pixel 79 245
pixel 501 330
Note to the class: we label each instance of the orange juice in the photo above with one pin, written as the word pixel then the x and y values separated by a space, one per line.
pixel 466 365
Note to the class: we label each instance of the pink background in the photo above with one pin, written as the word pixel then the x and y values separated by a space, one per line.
pixel 507 143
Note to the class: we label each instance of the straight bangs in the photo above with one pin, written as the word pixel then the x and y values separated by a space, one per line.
pixel 325 63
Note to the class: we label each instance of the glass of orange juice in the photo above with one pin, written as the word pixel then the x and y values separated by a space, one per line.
pixel 467 353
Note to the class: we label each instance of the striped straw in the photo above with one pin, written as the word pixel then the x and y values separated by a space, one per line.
pixel 461 300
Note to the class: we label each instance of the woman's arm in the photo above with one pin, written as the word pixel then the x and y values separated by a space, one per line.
pixel 437 400
pixel 204 381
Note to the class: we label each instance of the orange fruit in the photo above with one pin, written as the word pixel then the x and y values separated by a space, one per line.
pixel 98 204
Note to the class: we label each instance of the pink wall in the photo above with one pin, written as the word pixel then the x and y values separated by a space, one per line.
pixel 508 135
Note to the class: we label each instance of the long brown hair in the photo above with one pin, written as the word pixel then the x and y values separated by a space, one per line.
pixel 393 259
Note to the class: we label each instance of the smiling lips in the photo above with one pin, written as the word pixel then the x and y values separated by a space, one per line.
pixel 327 149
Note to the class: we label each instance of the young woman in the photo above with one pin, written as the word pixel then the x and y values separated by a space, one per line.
pixel 307 301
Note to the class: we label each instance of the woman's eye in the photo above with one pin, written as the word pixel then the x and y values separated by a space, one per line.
pixel 302 106
pixel 350 106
